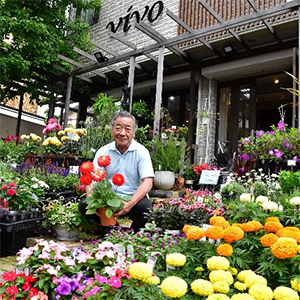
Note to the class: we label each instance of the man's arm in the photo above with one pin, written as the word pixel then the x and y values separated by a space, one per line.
pixel 139 194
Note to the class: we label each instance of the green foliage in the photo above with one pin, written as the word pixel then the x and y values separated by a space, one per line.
pixel 189 174
pixel 105 107
pixel 140 108
pixel 38 35
pixel 11 152
pixel 143 136
pixel 289 181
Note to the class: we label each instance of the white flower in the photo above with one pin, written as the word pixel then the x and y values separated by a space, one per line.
pixel 34 179
pixel 218 196
pixel 295 201
pixel 246 197
pixel 261 199
pixel 270 205
pixel 35 186
pixel 280 208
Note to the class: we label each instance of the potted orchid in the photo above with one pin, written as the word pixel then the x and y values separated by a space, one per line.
pixel 103 194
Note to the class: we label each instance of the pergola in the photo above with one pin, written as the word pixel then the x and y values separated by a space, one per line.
pixel 172 55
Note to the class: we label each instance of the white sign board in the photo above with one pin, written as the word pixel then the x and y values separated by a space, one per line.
pixel 209 177
pixel 291 162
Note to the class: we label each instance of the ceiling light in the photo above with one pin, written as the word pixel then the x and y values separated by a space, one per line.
pixel 100 58
pixel 276 80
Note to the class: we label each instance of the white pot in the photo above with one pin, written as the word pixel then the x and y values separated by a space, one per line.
pixel 164 180
pixel 63 234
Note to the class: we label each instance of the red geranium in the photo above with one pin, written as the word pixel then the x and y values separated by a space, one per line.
pixel 86 179
pixel 104 161
pixel 11 192
pixel 118 179
pixel 98 175
pixel 87 167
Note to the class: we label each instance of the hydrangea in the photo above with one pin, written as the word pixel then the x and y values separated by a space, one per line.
pixel 220 275
pixel 175 259
pixel 174 287
pixel 261 292
pixel 283 292
pixel 202 287
pixel 140 270
pixel 218 263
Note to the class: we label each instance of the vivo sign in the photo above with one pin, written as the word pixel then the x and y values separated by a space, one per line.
pixel 151 13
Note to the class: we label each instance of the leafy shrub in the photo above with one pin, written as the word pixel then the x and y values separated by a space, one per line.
pixel 289 181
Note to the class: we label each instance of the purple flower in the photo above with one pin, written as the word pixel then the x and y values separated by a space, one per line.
pixel 246 141
pixel 271 152
pixel 280 125
pixel 259 133
pixel 286 145
pixel 270 132
pixel 297 159
pixel 63 289
pixel 278 153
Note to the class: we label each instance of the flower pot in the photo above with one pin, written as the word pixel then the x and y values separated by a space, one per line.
pixel 105 221
pixel 29 159
pixel 63 234
pixel 49 159
pixel 164 180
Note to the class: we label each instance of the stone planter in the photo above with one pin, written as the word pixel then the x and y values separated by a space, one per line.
pixel 63 234
pixel 164 180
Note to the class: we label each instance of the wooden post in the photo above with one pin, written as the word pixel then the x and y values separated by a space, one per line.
pixel 67 102
pixel 192 110
pixel 158 96
pixel 131 79
pixel 18 127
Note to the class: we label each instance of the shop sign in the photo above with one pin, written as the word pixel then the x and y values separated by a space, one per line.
pixel 151 13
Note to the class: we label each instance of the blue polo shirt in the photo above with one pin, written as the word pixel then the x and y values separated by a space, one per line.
pixel 135 164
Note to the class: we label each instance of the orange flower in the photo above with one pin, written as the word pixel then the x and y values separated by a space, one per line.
pixel 257 225
pixel 186 228
pixel 118 179
pixel 98 175
pixel 273 226
pixel 86 179
pixel 268 239
pixel 275 219
pixel 284 248
pixel 214 232
pixel 290 232
pixel 104 161
pixel 87 167
pixel 232 234
pixel 248 227
pixel 224 250
pixel 195 233
pixel 219 221
pixel 237 225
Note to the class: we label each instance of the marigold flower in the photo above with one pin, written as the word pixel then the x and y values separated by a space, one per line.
pixel 261 199
pixel 98 175
pixel 220 275
pixel 175 259
pixel 214 232
pixel 87 167
pixel 221 287
pixel 152 280
pixel 283 292
pixel 217 297
pixel 242 296
pixel 186 228
pixel 202 287
pixel 104 161
pixel 86 179
pixel 174 287
pixel 118 179
pixel 232 234
pixel 275 219
pixel 284 248
pixel 268 239
pixel 241 286
pixel 246 197
pixel 140 270
pixel 255 279
pixel 270 205
pixel 244 274
pixel 195 233
pixel 295 201
pixel 248 227
pixel 291 232
pixel 273 226
pixel 261 292
pixel 219 221
pixel 224 250
pixel 295 284
pixel 218 263
pixel 257 225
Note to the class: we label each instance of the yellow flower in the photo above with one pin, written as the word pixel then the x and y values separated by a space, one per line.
pixel 221 287
pixel 69 129
pixel 202 287
pixel 217 297
pixel 255 279
pixel 61 132
pixel 261 292
pixel 152 280
pixel 283 292
pixel 175 259
pixel 24 137
pixel 76 138
pixel 261 199
pixel 218 263
pixel 295 284
pixel 64 138
pixel 242 297
pixel 140 270
pixel 233 271
pixel 80 131
pixel 246 197
pixel 174 287
pixel 240 286
pixel 284 248
pixel 220 275
pixel 244 274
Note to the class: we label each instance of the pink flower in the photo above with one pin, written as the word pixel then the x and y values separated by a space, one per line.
pixel 114 282
pixel 12 184
pixel 11 192
pixel 101 279
pixel 93 291
pixel 4 187
pixel 82 257
pixel 52 121
pixel 51 126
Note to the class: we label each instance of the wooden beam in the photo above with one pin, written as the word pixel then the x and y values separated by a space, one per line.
pixel 67 101
pixel 131 80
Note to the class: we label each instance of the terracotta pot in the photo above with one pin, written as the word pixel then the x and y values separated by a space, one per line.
pixel 29 159
pixel 49 158
pixel 105 221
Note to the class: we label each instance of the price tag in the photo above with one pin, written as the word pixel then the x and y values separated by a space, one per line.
pixel 74 169
pixel 71 135
pixel 291 162
pixel 210 177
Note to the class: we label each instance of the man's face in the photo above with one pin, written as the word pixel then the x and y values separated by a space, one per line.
pixel 123 133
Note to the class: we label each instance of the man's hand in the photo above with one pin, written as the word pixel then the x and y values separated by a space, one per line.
pixel 125 209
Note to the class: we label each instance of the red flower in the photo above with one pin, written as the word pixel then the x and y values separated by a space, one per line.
pixel 86 179
pixel 12 290
pixel 9 276
pixel 98 175
pixel 11 192
pixel 118 179
pixel 26 287
pixel 104 161
pixel 33 292
pixel 12 184
pixel 4 187
pixel 87 167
